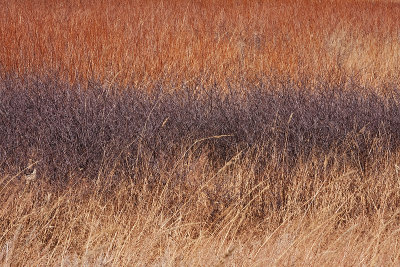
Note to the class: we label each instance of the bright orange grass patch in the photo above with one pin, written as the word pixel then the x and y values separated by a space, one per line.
pixel 208 41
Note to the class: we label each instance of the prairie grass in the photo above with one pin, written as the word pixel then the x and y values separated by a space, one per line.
pixel 268 176
pixel 229 216
pixel 224 42
pixel 211 133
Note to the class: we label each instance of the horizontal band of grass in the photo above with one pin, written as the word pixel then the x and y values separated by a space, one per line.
pixel 137 41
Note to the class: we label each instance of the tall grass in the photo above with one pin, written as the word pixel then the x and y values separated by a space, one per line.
pixel 232 215
pixel 127 177
pixel 206 133
pixel 140 42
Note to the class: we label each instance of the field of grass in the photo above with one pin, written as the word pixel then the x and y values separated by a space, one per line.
pixel 209 133
pixel 143 42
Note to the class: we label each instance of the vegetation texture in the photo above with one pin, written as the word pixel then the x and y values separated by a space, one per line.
pixel 210 133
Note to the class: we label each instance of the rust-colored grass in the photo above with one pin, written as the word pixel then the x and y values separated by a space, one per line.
pixel 141 42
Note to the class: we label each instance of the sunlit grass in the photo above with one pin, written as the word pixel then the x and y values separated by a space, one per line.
pixel 140 42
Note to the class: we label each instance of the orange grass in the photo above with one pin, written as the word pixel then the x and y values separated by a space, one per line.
pixel 142 42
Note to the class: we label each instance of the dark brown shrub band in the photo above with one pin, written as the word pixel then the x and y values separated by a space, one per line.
pixel 67 128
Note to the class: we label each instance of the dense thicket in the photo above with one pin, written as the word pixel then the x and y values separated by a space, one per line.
pixel 67 129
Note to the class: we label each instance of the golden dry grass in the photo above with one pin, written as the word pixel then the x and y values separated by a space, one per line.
pixel 332 218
